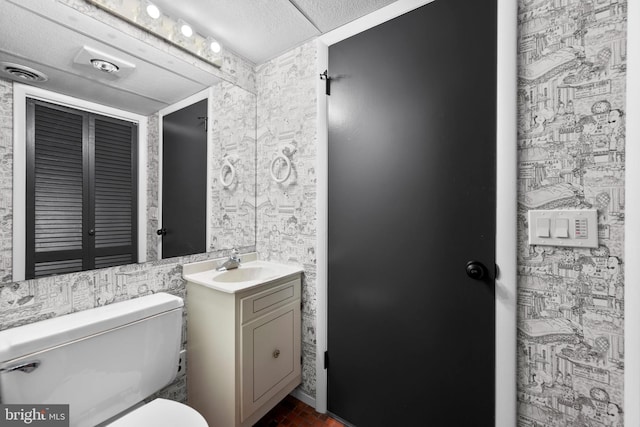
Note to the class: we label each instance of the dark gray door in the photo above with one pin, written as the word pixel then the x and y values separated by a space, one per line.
pixel 411 202
pixel 184 181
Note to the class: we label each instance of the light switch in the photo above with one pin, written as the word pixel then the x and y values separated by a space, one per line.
pixel 543 225
pixel 562 228
pixel 575 228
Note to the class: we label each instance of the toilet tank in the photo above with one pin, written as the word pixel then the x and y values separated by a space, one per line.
pixel 99 361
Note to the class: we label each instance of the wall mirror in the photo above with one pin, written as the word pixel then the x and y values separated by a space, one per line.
pixel 57 58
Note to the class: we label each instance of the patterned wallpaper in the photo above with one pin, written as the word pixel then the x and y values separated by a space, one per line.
pixel 6 180
pixel 153 175
pixel 287 211
pixel 571 143
pixel 232 162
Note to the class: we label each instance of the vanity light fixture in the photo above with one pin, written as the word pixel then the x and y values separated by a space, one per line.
pixel 146 15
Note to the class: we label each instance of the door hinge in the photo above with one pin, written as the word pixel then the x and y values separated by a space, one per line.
pixel 325 76
pixel 326 360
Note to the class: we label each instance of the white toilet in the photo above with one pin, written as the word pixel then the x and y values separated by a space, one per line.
pixel 102 362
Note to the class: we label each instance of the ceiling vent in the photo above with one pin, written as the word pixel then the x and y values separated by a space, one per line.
pixel 23 73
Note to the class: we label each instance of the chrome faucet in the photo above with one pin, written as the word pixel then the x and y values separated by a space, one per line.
pixel 232 262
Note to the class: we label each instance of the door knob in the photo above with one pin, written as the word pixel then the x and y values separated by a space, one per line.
pixel 162 232
pixel 476 270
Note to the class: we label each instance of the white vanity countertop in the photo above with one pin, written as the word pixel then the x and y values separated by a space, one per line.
pixel 251 273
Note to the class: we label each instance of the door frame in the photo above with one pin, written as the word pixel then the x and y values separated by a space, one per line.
pixel 204 94
pixel 506 200
pixel 632 222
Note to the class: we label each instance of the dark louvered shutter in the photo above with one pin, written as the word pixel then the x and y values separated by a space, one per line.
pixel 115 192
pixel 81 190
pixel 55 190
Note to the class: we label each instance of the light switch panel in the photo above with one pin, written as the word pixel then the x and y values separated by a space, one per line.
pixel 571 228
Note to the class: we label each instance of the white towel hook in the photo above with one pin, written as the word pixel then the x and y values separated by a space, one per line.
pixel 231 174
pixel 280 158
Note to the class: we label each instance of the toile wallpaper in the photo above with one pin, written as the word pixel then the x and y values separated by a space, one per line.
pixel 6 180
pixel 286 210
pixel 232 166
pixel 571 144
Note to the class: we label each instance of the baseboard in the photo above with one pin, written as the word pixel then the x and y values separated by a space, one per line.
pixel 304 397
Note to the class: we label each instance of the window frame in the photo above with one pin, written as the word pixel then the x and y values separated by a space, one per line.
pixel 21 93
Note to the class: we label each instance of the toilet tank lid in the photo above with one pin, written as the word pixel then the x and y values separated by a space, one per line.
pixel 34 337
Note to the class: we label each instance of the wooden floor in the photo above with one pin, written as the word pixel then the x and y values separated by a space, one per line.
pixel 293 413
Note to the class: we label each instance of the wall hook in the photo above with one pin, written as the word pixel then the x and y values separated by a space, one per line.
pixel 227 171
pixel 325 76
pixel 206 121
pixel 281 157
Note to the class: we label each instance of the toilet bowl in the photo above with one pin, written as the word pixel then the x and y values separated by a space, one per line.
pixel 161 413
pixel 101 362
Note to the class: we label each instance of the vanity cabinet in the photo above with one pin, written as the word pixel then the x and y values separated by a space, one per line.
pixel 243 349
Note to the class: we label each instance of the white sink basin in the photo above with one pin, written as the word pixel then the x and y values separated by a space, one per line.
pixel 244 274
pixel 251 273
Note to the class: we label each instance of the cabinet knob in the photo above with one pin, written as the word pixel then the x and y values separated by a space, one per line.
pixel 276 353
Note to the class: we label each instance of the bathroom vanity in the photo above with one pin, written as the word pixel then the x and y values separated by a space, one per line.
pixel 244 338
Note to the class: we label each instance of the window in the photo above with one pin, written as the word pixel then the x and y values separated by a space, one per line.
pixel 81 198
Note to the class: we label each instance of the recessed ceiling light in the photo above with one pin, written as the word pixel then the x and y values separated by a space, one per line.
pixel 106 66
pixel 153 11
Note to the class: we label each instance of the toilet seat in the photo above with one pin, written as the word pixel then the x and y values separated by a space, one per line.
pixel 162 413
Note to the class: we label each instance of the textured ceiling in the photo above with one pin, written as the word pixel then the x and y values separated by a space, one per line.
pixel 328 15
pixel 262 29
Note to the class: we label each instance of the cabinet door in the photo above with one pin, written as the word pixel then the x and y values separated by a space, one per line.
pixel 270 355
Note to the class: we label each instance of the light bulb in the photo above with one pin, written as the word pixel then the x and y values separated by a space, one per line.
pixel 215 46
pixel 153 11
pixel 186 30
pixel 105 66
